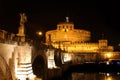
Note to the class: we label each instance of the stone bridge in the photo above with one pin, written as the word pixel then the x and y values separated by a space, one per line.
pixel 43 56
pixel 23 60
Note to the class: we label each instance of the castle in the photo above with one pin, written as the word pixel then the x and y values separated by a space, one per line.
pixel 77 41
pixel 74 40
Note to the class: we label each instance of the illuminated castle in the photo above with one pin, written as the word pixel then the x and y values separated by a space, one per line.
pixel 74 40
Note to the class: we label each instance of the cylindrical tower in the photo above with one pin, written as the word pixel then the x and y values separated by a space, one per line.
pixel 66 33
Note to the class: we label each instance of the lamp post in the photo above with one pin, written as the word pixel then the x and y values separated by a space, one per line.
pixel 39 33
pixel 39 36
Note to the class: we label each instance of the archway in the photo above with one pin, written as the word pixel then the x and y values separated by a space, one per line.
pixel 39 66
pixel 5 73
pixel 58 57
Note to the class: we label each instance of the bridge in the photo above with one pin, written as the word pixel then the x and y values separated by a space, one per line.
pixel 28 60
pixel 24 59
pixel 21 59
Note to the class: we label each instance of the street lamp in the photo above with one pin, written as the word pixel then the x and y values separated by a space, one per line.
pixel 40 36
pixel 39 33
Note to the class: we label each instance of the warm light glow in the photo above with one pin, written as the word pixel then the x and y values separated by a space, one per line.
pixel 109 78
pixel 108 74
pixel 107 62
pixel 67 57
pixel 108 55
pixel 51 62
pixel 39 33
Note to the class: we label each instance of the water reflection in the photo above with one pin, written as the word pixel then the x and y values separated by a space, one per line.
pixel 94 76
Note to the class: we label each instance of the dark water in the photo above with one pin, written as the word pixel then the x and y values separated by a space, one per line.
pixel 93 76
pixel 91 72
pixel 90 76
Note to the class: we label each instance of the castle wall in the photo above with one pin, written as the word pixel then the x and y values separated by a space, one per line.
pixel 71 36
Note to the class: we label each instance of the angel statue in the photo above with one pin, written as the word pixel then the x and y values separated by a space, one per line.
pixel 23 19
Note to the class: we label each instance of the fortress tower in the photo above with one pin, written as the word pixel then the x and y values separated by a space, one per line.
pixel 67 38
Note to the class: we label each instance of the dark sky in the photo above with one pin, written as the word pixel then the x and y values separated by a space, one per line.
pixel 98 17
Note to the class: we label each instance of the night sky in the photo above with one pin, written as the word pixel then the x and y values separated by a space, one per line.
pixel 97 17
